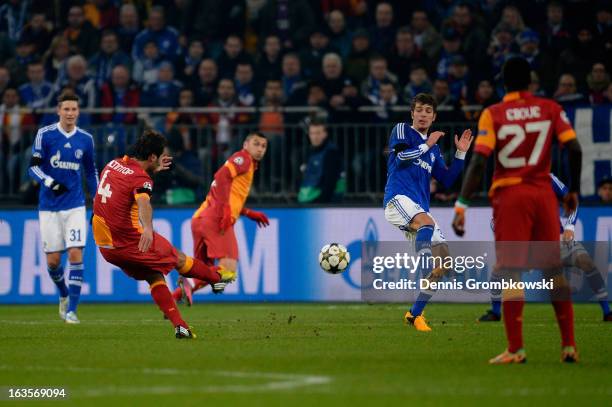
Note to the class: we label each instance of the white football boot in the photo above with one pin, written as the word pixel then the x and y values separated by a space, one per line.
pixel 63 306
pixel 71 318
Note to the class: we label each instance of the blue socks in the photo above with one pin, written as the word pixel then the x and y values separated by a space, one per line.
pixel 496 307
pixel 423 249
pixel 423 240
pixel 421 302
pixel 496 303
pixel 598 286
pixel 74 286
pixel 605 306
pixel 57 275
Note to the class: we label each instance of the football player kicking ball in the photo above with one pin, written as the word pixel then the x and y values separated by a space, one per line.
pixel 414 158
pixel 520 131
pixel 123 227
pixel 573 254
pixel 212 224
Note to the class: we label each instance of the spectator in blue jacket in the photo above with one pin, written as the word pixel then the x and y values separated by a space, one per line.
pixel 36 92
pixel 164 92
pixel 166 38
pixel 110 55
pixel 146 69
pixel 322 174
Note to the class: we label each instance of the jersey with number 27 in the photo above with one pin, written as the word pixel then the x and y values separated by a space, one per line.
pixel 520 130
pixel 116 222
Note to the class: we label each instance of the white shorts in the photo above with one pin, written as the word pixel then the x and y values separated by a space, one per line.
pixel 400 211
pixel 570 252
pixel 61 230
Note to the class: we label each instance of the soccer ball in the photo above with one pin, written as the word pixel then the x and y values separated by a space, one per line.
pixel 334 258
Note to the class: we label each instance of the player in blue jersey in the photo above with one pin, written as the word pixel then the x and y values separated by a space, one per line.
pixel 414 157
pixel 573 255
pixel 60 153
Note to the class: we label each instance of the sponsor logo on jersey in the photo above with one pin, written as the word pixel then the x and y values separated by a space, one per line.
pixel 67 145
pixel 64 165
pixel 423 164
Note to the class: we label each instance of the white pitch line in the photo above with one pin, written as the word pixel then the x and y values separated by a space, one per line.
pixel 275 381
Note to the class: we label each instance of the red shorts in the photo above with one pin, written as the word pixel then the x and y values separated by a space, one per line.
pixel 209 243
pixel 526 220
pixel 160 258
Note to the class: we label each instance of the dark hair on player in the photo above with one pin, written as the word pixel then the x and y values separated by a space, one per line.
pixel 517 74
pixel 424 99
pixel 149 142
pixel 255 134
pixel 67 95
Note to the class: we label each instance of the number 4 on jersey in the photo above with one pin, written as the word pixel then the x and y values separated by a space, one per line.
pixel 104 190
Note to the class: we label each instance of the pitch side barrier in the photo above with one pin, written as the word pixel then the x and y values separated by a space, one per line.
pixel 280 263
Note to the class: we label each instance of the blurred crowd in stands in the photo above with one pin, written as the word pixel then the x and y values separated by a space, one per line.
pixel 354 60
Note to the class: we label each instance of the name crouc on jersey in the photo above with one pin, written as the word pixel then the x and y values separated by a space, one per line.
pixel 120 168
pixel 523 113
pixel 64 165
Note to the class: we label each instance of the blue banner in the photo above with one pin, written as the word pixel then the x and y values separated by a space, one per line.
pixel 594 132
pixel 277 263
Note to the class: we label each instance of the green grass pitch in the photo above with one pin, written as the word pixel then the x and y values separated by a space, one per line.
pixel 298 354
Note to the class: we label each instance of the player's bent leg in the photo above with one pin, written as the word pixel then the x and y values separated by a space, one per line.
pixel 564 312
pixel 162 297
pixel 229 265
pixel 513 303
pixel 187 266
pixel 494 314
pixel 425 226
pixel 75 281
pixel 584 262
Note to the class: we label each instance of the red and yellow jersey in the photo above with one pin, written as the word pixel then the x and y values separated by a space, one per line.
pixel 115 220
pixel 242 169
pixel 520 130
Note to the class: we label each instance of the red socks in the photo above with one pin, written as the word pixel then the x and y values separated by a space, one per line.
pixel 564 311
pixel 198 269
pixel 513 322
pixel 198 284
pixel 162 297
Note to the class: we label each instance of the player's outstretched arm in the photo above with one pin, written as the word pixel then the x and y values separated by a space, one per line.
pixel 259 217
pixel 145 214
pixel 447 176
pixel 406 154
pixel 574 155
pixel 471 183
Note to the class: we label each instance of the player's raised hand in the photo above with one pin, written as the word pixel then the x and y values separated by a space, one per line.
pixel 165 161
pixel 459 223
pixel 463 143
pixel 434 137
pixel 570 202
pixel 259 217
pixel 146 239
